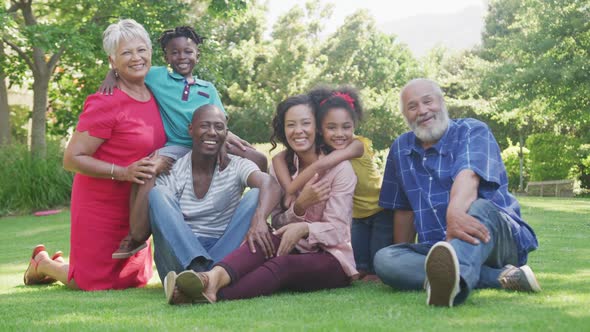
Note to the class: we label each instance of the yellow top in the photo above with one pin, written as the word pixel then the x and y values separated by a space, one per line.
pixel 366 194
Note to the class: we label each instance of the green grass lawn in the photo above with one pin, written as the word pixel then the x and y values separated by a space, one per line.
pixel 562 265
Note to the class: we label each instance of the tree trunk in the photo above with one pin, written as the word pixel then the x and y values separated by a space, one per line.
pixel 4 110
pixel 520 162
pixel 4 113
pixel 40 88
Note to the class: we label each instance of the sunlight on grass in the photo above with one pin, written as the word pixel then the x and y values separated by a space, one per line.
pixel 30 232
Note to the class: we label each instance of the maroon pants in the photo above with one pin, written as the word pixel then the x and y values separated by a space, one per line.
pixel 252 275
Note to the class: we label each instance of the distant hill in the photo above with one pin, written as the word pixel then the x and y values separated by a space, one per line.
pixel 458 30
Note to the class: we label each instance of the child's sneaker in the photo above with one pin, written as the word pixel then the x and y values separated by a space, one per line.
pixel 127 248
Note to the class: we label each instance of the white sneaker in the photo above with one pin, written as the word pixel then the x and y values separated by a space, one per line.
pixel 442 274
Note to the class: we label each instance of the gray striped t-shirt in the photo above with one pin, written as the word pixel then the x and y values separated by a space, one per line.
pixel 210 215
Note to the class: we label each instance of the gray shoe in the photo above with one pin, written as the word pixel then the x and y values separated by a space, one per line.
pixel 520 279
pixel 442 275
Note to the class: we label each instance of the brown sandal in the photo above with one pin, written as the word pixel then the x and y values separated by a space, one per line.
pixel 31 276
pixel 193 285
pixel 171 291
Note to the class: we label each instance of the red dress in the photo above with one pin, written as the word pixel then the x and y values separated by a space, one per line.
pixel 100 207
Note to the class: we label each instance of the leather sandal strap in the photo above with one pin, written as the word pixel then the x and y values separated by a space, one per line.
pixel 204 279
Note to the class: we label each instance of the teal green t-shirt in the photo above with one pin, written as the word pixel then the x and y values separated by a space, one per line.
pixel 177 101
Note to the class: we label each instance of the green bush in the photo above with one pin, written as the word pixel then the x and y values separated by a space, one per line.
pixel 19 119
pixel 582 168
pixel 511 159
pixel 28 184
pixel 381 123
pixel 552 156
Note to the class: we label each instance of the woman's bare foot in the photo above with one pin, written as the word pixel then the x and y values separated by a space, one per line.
pixel 210 292
pixel 33 275
pixel 218 278
pixel 42 260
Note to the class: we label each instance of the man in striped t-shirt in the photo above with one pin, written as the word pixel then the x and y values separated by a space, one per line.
pixel 446 182
pixel 197 212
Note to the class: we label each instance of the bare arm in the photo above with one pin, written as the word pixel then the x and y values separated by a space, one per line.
pixel 236 141
pixel 251 154
pixel 138 214
pixel 403 227
pixel 268 198
pixel 353 150
pixel 315 191
pixel 460 225
pixel 78 158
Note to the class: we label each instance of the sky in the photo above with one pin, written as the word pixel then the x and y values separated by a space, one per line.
pixel 384 11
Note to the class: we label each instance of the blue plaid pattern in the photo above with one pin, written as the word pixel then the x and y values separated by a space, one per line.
pixel 420 180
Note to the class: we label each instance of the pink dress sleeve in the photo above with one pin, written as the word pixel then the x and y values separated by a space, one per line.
pixel 98 117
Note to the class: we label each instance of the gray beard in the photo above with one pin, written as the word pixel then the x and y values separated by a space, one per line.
pixel 432 135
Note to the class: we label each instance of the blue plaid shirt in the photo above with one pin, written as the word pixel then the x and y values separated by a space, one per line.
pixel 420 180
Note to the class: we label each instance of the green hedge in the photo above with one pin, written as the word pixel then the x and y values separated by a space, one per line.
pixel 30 184
pixel 552 156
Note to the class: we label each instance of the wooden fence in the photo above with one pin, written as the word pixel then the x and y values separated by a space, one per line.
pixel 557 188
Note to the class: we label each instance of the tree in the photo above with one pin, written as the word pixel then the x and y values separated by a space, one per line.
pixel 539 52
pixel 258 73
pixel 359 54
pixel 4 110
pixel 43 33
pixel 537 76
pixel 73 82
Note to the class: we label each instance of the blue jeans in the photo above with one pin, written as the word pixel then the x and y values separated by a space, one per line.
pixel 369 235
pixel 175 244
pixel 402 266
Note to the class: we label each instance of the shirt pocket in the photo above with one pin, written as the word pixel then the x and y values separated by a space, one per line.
pixel 221 200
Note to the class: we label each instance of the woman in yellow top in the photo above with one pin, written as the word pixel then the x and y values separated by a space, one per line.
pixel 338 112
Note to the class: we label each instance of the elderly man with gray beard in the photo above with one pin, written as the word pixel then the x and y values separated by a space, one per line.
pixel 447 184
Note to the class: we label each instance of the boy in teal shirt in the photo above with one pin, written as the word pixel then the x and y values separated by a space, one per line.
pixel 178 94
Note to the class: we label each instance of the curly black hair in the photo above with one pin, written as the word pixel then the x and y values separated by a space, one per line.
pixel 182 31
pixel 278 127
pixel 325 99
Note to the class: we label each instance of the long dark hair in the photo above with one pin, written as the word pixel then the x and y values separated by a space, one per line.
pixel 278 127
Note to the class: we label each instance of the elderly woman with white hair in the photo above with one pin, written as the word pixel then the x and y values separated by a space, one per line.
pixel 109 151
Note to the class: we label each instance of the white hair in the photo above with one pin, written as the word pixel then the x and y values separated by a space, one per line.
pixel 127 29
pixel 437 90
